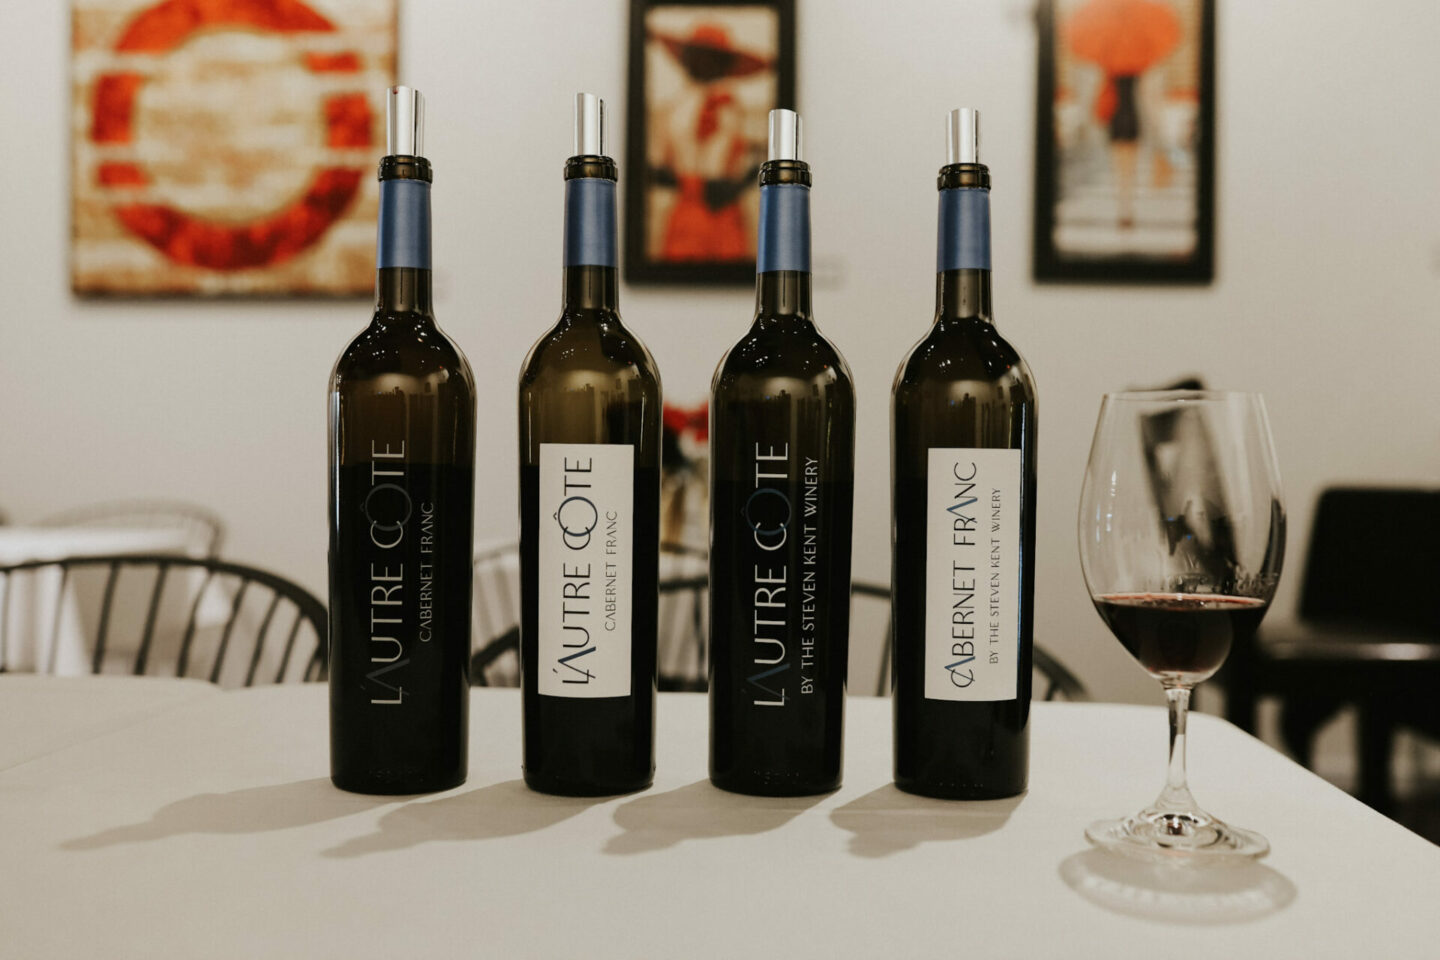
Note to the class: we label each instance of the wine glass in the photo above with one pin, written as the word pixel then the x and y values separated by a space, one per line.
pixel 1182 534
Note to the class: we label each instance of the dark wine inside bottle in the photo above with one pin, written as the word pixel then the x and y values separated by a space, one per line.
pixel 782 494
pixel 589 522
pixel 963 579
pixel 402 474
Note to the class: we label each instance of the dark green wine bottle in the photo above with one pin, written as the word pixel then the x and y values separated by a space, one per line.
pixel 589 512
pixel 963 472
pixel 782 443
pixel 402 489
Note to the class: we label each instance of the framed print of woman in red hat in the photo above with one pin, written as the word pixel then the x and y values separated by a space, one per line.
pixel 703 78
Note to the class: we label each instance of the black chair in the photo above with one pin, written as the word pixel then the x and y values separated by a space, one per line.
pixel 197 617
pixel 495 617
pixel 201 527
pixel 684 624
pixel 1368 632
pixel 494 660
pixel 870 602
pixel 684 618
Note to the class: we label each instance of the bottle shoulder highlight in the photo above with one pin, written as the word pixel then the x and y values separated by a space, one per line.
pixel 421 351
pixel 968 350
pixel 777 352
pixel 587 343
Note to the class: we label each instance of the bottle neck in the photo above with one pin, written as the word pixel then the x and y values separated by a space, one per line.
pixel 591 288
pixel 782 293
pixel 403 290
pixel 590 278
pixel 962 282
pixel 402 250
pixel 782 262
pixel 963 294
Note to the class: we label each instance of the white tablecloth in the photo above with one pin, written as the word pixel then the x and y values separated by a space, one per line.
pixel 213 830
pixel 40 715
pixel 35 600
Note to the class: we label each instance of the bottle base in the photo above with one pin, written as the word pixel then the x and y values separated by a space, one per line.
pixel 957 791
pixel 773 787
pixel 380 787
pixel 576 788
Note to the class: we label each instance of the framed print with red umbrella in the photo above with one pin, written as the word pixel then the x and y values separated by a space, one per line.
pixel 703 78
pixel 1125 141
pixel 227 147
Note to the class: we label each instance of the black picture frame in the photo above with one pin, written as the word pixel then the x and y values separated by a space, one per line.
pixel 1051 264
pixel 639 268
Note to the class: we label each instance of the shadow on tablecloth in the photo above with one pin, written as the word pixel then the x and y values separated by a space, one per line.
pixel 698 811
pixel 252 810
pixel 888 820
pixel 505 809
pixel 1192 894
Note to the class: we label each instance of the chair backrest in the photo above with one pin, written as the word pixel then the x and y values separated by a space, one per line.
pixel 202 528
pixel 171 616
pixel 684 625
pixel 869 610
pixel 877 597
pixel 1374 559
pixel 684 617
pixel 1054 681
pixel 495 617
pixel 1051 679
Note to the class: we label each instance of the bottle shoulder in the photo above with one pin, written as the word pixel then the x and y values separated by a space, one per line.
pixel 797 352
pixel 402 346
pixel 588 342
pixel 970 350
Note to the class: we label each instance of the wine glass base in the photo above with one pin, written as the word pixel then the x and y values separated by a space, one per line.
pixel 1168 836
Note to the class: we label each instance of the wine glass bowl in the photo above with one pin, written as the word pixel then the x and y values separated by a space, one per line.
pixel 1182 537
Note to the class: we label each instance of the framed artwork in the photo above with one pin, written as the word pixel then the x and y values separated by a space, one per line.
pixel 1125 141
pixel 227 147
pixel 704 77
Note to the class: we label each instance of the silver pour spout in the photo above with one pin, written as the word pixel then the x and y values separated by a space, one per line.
pixel 962 140
pixel 589 125
pixel 784 135
pixel 404 122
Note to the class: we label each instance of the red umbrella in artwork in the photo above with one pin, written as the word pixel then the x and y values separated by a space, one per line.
pixel 1123 38
pixel 707 54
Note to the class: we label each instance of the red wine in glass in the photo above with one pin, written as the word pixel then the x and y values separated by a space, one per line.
pixel 1182 637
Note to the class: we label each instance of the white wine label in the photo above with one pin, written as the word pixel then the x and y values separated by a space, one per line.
pixel 587 553
pixel 972 574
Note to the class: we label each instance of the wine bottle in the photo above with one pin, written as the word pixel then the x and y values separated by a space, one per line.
pixel 963 471
pixel 782 443
pixel 589 511
pixel 402 491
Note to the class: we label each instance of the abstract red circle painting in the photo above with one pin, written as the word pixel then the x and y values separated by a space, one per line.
pixel 223 147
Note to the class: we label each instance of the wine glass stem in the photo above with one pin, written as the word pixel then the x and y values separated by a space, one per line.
pixel 1176 796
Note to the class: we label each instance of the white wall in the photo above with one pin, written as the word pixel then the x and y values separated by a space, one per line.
pixel 1327 296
